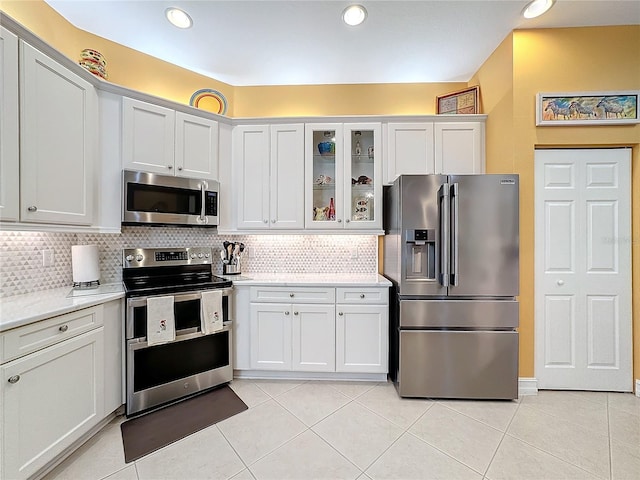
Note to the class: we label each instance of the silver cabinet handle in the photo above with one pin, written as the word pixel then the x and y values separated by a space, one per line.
pixel 339 220
pixel 295 313
pixel 64 328
pixel 286 313
pixel 170 167
pixel 347 220
pixel 273 221
pixel 180 168
pixel 266 221
pixel 560 282
pixel 291 295
pixel 340 313
pixel 14 379
pixel 362 295
pixel 32 208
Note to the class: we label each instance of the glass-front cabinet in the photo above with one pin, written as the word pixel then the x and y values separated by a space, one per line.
pixel 343 176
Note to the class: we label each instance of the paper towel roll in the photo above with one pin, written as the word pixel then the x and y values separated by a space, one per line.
pixel 84 263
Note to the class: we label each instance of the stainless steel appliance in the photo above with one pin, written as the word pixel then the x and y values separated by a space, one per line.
pixel 452 252
pixel 159 374
pixel 155 199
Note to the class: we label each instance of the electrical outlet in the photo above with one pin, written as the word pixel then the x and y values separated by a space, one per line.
pixel 249 252
pixel 354 253
pixel 47 258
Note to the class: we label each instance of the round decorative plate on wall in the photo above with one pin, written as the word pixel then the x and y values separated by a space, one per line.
pixel 214 101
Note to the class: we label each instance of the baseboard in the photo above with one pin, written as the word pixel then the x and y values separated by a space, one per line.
pixel 527 386
pixel 637 387
pixel 303 376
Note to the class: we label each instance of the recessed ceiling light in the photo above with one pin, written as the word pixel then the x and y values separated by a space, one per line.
pixel 537 7
pixel 178 17
pixel 354 15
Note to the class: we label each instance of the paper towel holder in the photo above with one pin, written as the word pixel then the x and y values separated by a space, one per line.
pixel 85 266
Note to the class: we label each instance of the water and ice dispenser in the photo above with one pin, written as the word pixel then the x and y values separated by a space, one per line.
pixel 420 251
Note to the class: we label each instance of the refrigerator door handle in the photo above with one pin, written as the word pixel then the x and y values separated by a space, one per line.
pixel 455 239
pixel 445 222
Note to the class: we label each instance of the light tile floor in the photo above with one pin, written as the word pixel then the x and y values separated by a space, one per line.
pixel 354 430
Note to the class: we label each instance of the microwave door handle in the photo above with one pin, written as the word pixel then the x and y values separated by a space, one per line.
pixel 455 238
pixel 203 191
pixel 443 210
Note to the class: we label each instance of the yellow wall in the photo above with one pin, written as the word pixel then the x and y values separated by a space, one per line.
pixel 557 60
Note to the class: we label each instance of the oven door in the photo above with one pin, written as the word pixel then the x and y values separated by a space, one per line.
pixel 164 373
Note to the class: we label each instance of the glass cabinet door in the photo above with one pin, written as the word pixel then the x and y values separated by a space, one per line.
pixel 324 173
pixel 363 187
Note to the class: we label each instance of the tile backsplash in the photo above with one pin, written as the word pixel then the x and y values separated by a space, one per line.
pixel 21 269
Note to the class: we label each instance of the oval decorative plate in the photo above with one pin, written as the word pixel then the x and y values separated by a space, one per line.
pixel 209 93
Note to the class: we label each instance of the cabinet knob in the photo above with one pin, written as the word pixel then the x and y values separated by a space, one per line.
pixel 295 313
pixel 347 220
pixel 273 221
pixel 64 328
pixel 170 167
pixel 291 295
pixel 286 313
pixel 339 221
pixel 560 282
pixel 340 313
pixel 266 221
pixel 180 168
pixel 362 295
pixel 32 208
pixel 14 379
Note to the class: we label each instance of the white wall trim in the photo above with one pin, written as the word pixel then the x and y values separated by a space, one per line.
pixel 637 387
pixel 527 386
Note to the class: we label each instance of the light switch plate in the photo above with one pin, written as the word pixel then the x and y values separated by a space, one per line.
pixel 47 258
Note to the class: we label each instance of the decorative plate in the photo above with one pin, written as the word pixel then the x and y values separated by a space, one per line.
pixel 208 93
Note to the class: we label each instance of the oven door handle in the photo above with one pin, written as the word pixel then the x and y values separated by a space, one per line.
pixel 181 297
pixel 138 343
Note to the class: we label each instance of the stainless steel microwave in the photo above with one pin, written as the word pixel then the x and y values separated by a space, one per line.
pixel 152 199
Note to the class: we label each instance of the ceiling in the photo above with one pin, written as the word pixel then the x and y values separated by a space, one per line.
pixel 305 42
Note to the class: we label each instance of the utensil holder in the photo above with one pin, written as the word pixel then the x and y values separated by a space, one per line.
pixel 231 268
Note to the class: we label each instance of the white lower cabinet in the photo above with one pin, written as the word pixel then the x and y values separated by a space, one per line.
pixel 317 330
pixel 50 399
pixel 291 336
pixel 60 378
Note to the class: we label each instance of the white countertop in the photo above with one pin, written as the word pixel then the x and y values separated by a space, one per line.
pixel 310 279
pixel 31 307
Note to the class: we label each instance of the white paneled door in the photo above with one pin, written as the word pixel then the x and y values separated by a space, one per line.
pixel 583 269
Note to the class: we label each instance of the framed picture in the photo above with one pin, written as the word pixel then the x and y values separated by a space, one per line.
pixel 587 108
pixel 462 101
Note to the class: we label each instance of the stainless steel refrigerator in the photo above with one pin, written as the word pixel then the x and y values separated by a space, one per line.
pixel 451 250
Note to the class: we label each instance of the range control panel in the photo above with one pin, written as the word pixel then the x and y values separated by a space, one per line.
pixel 155 257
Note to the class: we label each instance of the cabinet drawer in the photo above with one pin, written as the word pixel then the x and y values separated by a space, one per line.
pixel 28 339
pixel 362 295
pixel 293 294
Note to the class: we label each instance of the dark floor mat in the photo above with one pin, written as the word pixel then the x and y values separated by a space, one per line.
pixel 149 432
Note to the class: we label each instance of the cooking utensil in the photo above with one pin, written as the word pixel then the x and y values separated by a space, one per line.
pixel 223 256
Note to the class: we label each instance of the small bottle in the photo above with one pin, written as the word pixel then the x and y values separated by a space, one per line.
pixel 332 210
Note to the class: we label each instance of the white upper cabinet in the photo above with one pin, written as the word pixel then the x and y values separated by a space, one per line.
pixel 459 147
pixel 343 176
pixel 160 140
pixel 196 146
pixel 58 141
pixel 9 156
pixel 409 150
pixel 268 176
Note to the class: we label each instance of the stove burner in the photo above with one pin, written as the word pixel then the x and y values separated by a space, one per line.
pixel 164 271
